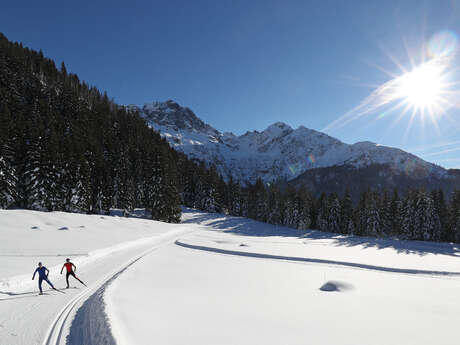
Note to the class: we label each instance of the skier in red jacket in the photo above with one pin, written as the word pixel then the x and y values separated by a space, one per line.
pixel 69 266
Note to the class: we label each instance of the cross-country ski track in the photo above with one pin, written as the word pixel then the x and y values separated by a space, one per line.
pixel 29 319
pixel 315 261
pixel 209 281
pixel 61 323
pixel 99 336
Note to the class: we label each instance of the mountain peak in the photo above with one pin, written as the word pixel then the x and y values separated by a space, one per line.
pixel 278 152
pixel 364 144
pixel 172 114
pixel 280 124
pixel 277 129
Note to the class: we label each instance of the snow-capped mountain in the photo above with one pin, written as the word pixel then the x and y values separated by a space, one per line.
pixel 278 152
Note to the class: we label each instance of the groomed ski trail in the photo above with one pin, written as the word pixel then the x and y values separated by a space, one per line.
pixel 317 261
pixel 27 318
pixel 55 333
pixel 58 330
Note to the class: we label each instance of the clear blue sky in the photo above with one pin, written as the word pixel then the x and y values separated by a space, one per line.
pixel 242 65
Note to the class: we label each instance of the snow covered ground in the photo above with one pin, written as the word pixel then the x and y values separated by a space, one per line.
pixel 99 246
pixel 198 296
pixel 27 237
pixel 225 280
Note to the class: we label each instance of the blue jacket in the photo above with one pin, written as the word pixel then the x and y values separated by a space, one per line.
pixel 41 272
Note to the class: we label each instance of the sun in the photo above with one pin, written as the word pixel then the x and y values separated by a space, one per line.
pixel 429 88
pixel 423 87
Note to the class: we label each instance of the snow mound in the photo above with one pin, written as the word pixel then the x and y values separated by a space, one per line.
pixel 337 286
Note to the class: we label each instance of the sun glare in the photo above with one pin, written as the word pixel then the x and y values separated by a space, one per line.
pixel 430 88
pixel 422 87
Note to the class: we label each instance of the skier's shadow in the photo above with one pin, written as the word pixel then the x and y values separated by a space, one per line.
pixel 17 295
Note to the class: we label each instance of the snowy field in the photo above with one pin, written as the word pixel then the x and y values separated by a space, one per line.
pixel 98 245
pixel 27 237
pixel 222 280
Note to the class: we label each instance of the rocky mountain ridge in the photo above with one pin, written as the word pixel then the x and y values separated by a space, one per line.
pixel 277 153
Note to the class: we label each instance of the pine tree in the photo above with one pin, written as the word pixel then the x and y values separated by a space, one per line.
pixel 258 200
pixel 395 214
pixel 408 216
pixel 346 217
pixel 431 227
pixel 453 234
pixel 206 198
pixel 48 173
pixel 386 220
pixel 334 213
pixel 323 213
pixel 7 183
pixel 26 160
pixel 373 218
pixel 442 212
pixel 361 216
pixel 68 180
pixel 164 198
pixel 7 171
pixel 274 205
pixel 234 198
pixel 303 202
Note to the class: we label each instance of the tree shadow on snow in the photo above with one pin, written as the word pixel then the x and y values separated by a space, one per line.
pixel 249 227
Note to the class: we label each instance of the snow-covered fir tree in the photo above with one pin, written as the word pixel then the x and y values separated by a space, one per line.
pixel 386 220
pixel 454 218
pixel 427 225
pixel 372 212
pixel 303 203
pixel 442 212
pixel 395 213
pixel 7 183
pixel 334 213
pixel 408 215
pixel 275 207
pixel 8 177
pixel 346 216
pixel 323 213
pixel 258 201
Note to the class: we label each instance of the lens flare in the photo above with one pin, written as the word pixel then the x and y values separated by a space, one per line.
pixel 311 158
pixel 295 169
pixel 443 43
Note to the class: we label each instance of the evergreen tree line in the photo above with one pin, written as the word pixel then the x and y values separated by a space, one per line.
pixel 418 215
pixel 66 146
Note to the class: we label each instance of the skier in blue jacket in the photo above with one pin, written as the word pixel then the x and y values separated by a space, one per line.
pixel 42 276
